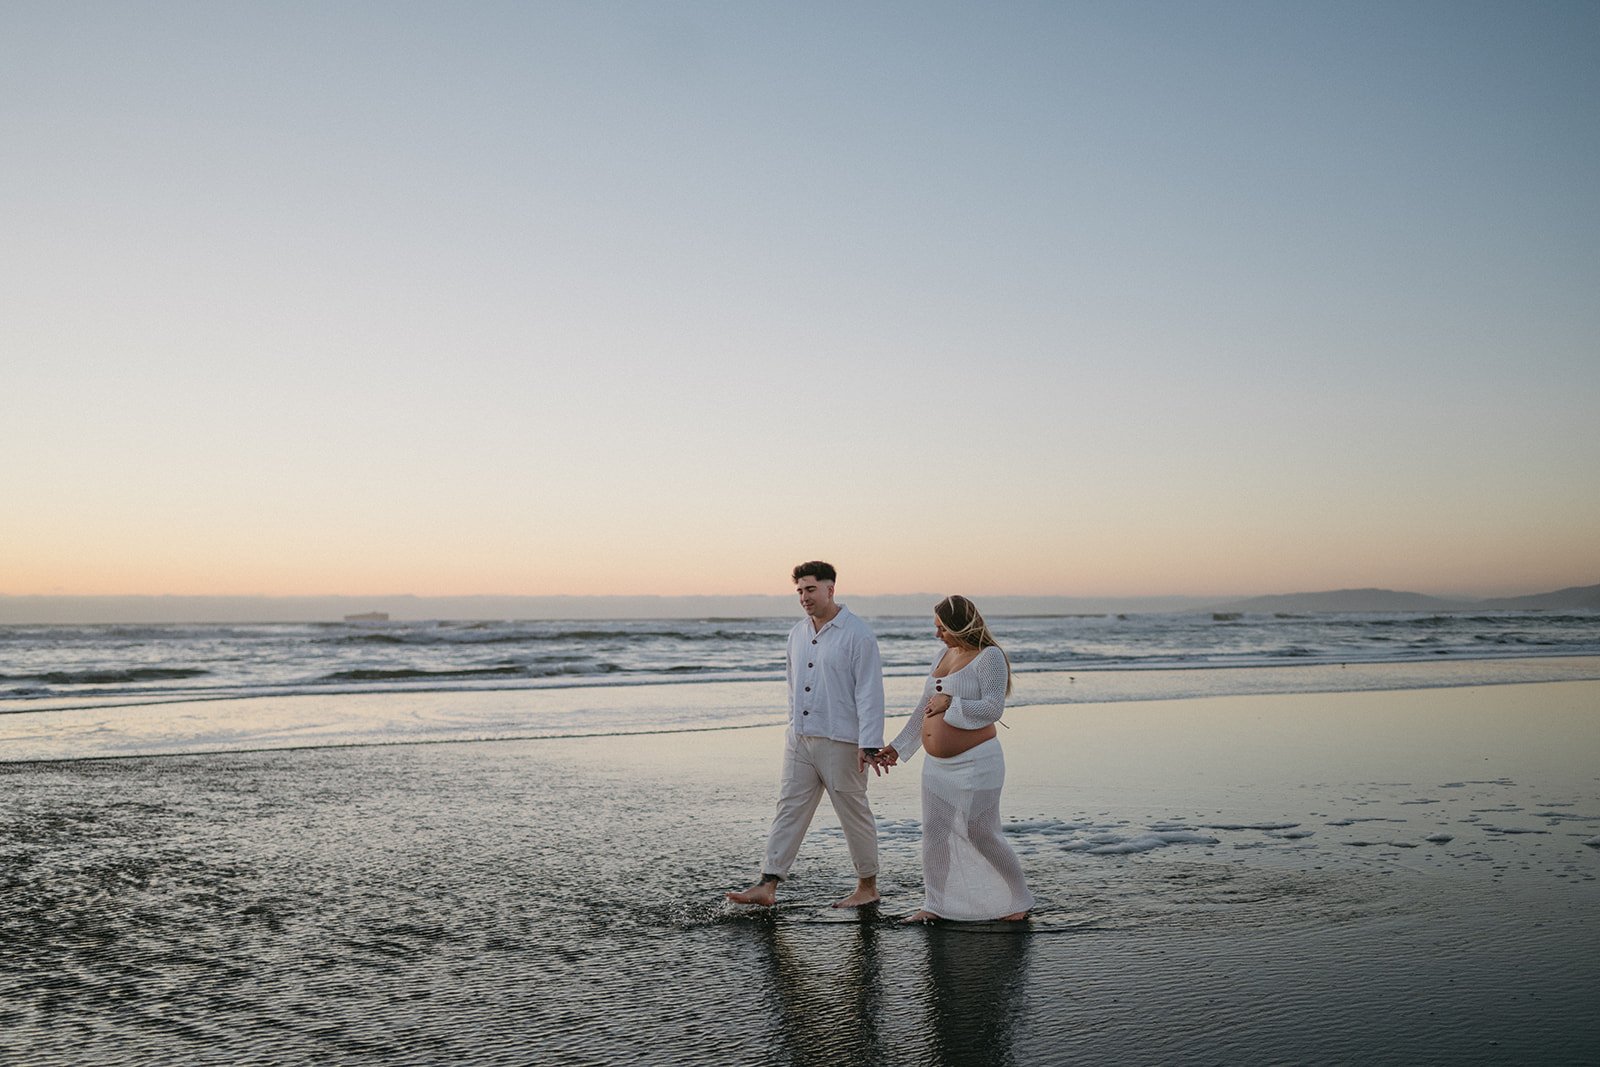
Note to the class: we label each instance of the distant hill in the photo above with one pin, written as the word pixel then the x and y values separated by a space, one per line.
pixel 1345 600
pixel 1576 597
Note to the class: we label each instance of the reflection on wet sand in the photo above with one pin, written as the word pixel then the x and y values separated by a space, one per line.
pixel 974 992
pixel 829 997
pixel 826 996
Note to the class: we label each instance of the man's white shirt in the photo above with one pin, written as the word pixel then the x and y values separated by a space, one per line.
pixel 836 681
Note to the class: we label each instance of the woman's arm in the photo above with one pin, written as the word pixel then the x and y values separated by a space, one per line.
pixel 977 712
pixel 905 746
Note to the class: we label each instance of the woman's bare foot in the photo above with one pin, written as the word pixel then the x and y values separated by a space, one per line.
pixel 866 893
pixel 920 917
pixel 763 894
pixel 1014 917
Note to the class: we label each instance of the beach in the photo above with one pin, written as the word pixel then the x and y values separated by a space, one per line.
pixel 1380 876
pixel 407 593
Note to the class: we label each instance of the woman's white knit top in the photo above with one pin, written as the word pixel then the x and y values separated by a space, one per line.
pixel 977 698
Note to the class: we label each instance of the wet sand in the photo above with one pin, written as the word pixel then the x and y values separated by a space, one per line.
pixel 1378 877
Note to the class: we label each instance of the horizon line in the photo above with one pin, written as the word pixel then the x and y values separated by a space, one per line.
pixel 1453 595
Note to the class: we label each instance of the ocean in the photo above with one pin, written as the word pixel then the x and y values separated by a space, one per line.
pixel 1318 840
pixel 108 690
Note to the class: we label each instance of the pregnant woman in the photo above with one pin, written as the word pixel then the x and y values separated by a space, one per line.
pixel 968 871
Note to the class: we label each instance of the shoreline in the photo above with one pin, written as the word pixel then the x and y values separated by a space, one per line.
pixel 1376 876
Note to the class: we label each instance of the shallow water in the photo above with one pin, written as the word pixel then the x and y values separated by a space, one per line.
pixel 65 664
pixel 112 727
pixel 558 901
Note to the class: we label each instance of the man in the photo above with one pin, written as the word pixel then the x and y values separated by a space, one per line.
pixel 835 729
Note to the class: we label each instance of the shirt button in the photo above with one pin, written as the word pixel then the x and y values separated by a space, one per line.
pixel 805 713
pixel 938 689
pixel 808 689
pixel 813 640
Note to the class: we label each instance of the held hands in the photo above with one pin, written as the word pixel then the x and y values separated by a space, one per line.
pixel 880 759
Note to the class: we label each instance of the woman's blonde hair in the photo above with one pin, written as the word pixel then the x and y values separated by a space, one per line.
pixel 962 621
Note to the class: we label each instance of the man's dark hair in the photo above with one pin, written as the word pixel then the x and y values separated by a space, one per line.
pixel 822 572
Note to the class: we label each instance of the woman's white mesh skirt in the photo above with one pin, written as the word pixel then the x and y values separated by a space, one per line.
pixel 968 870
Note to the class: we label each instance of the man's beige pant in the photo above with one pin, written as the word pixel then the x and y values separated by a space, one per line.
pixel 811 765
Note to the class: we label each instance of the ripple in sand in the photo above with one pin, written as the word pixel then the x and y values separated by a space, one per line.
pixel 1564 815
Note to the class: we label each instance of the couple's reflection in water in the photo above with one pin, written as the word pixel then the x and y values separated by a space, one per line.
pixel 946 994
pixel 975 991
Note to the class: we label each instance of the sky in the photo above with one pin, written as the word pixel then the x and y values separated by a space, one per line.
pixel 1084 299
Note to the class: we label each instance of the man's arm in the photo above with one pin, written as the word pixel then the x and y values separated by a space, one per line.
pixel 868 663
pixel 788 674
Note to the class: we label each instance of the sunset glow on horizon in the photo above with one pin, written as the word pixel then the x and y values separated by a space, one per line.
pixel 1042 299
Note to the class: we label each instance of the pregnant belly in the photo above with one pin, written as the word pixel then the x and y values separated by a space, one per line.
pixel 941 739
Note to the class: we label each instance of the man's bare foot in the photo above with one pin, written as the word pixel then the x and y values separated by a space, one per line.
pixel 866 893
pixel 763 894
pixel 920 917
